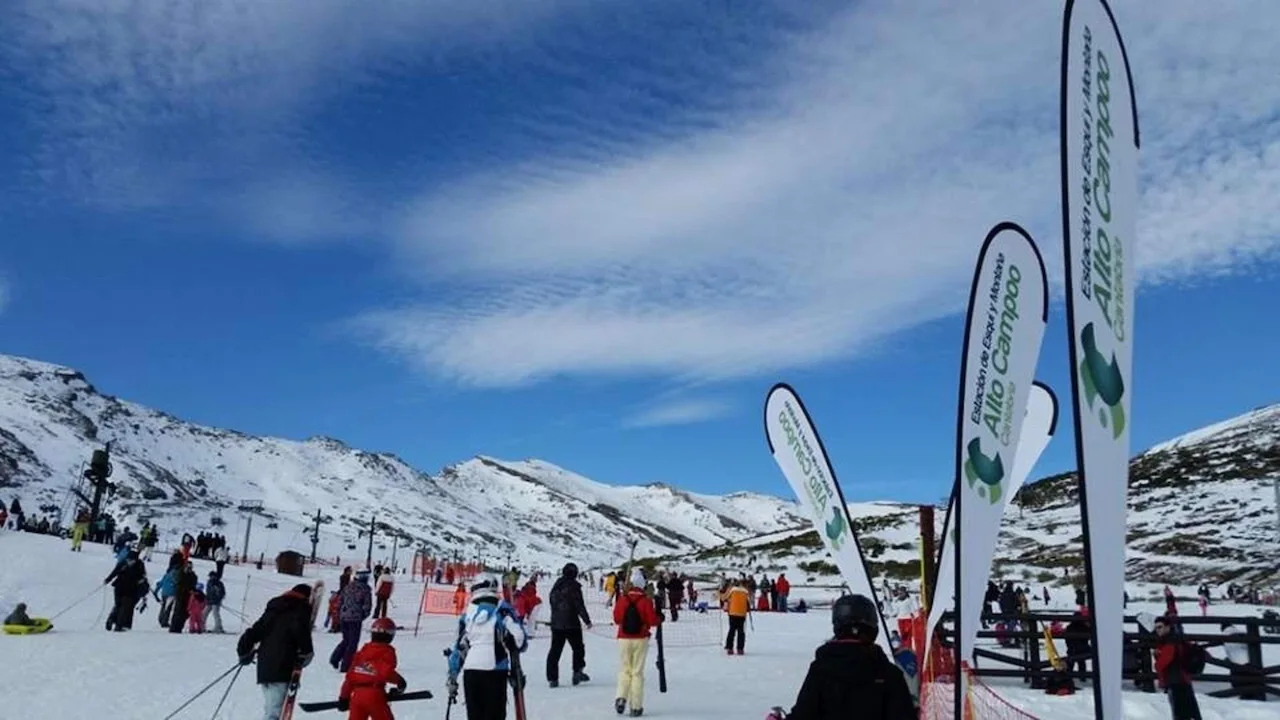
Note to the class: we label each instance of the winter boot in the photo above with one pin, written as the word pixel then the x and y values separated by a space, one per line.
pixel 620 705
pixel 739 651
pixel 637 712
pixel 580 677
pixel 554 683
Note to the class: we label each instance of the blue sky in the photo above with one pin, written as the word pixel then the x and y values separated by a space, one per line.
pixel 596 234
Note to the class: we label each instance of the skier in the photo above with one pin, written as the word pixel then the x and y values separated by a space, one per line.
pixel 281 639
pixel 215 592
pixel 1174 670
pixel 384 585
pixel 163 593
pixel 851 671
pixel 186 583
pixel 125 579
pixel 196 605
pixel 354 606
pixel 79 530
pixel 635 616
pixel 737 603
pixel 364 690
pixel 220 558
pixel 783 586
pixel 487 633
pixel 568 614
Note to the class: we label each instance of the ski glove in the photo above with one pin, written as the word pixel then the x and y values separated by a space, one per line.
pixel 246 659
pixel 776 714
pixel 343 704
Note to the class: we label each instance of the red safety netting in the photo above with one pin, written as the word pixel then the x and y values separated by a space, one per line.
pixel 937 686
pixel 451 572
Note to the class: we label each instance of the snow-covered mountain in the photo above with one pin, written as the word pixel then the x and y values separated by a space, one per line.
pixel 1201 505
pixel 187 478
pixel 1202 508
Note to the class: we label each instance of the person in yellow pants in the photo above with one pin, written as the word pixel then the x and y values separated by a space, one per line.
pixel 635 616
pixel 79 530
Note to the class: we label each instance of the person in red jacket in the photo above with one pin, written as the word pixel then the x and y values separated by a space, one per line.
pixel 1172 672
pixel 364 690
pixel 635 616
pixel 783 586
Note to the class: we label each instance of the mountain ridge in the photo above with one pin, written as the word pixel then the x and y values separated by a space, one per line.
pixel 533 512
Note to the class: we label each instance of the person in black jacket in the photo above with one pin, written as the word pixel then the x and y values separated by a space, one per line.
pixel 851 671
pixel 282 640
pixel 125 579
pixel 182 592
pixel 568 613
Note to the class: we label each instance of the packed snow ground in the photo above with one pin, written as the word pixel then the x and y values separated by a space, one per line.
pixel 81 671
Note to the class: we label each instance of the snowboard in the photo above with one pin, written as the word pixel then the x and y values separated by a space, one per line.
pixel 333 704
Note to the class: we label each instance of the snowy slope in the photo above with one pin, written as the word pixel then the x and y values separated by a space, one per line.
pixel 81 671
pixel 182 476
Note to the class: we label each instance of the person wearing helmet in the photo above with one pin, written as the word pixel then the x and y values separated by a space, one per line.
pixel 850 671
pixel 364 690
pixel 568 614
pixel 488 632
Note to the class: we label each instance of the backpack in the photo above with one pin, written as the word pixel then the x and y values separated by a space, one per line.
pixel 632 621
pixel 1194 658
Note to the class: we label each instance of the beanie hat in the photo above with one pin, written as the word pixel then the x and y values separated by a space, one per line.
pixel 303 590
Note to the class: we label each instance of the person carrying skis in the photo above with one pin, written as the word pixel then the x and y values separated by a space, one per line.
pixel 737 603
pixel 125 579
pixel 851 671
pixel 1174 663
pixel 281 639
pixel 215 593
pixel 364 689
pixel 488 632
pixel 635 616
pixel 354 605
pixel 568 614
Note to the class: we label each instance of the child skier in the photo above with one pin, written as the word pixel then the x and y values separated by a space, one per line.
pixel 364 690
pixel 215 593
pixel 195 609
pixel 487 633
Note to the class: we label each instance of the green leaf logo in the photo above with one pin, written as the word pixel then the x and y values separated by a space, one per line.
pixel 836 528
pixel 990 471
pixel 1101 379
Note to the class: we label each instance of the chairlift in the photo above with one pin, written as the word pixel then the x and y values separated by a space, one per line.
pixel 351 546
pixel 273 525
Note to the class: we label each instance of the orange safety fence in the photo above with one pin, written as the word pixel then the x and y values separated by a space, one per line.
pixel 426 566
pixel 937 685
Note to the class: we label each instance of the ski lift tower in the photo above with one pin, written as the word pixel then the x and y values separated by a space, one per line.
pixel 248 508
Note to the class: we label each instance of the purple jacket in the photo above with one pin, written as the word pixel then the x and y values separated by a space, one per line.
pixel 356 602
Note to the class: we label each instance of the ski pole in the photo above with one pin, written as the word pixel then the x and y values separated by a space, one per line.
pixel 68 608
pixel 227 692
pixel 204 690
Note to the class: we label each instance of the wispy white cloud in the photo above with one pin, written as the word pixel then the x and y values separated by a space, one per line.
pixel 686 411
pixel 786 195
pixel 848 207
pixel 164 104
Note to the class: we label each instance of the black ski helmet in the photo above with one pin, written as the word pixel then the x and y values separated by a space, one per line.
pixel 570 570
pixel 855 613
